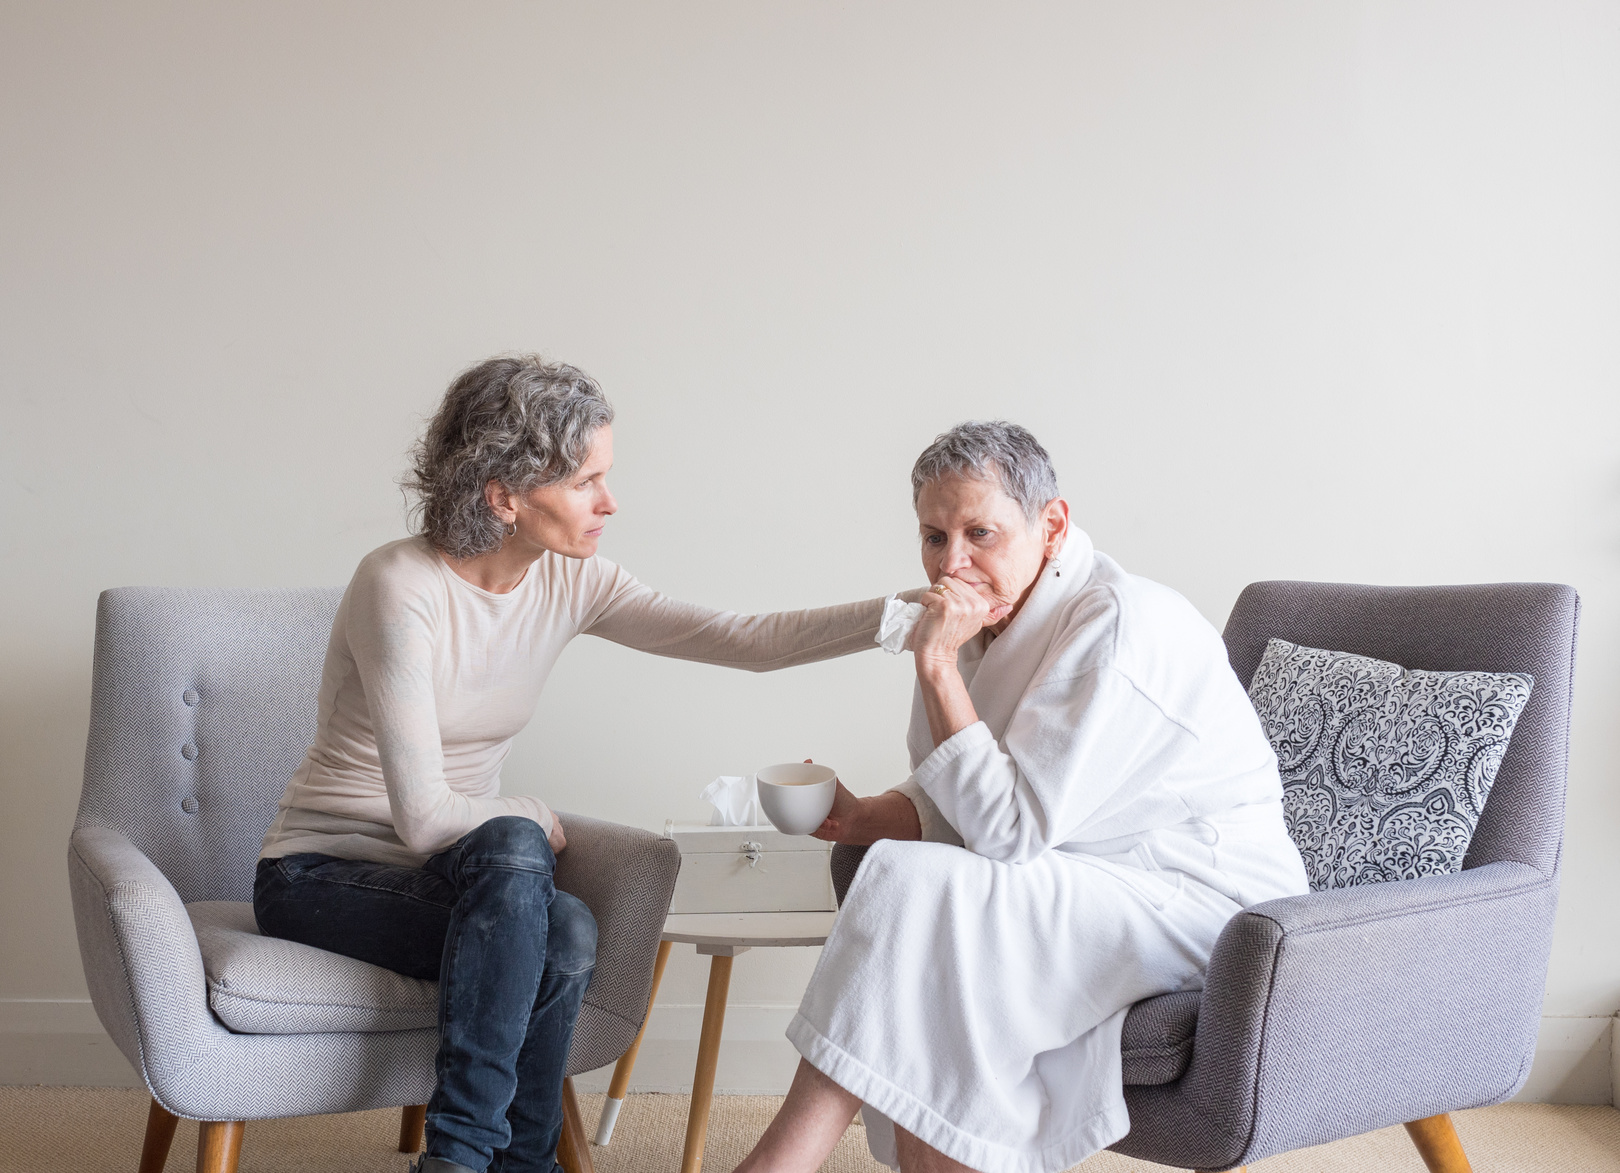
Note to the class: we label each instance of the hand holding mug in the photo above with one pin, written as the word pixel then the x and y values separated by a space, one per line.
pixel 840 825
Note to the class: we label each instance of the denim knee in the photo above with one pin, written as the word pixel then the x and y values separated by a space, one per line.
pixel 570 936
pixel 510 841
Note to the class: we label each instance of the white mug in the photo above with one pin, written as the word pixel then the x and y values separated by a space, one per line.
pixel 796 796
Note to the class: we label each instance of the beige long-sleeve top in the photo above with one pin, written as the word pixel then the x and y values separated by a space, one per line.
pixel 428 678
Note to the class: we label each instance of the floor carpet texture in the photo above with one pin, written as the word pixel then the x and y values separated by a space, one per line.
pixel 71 1129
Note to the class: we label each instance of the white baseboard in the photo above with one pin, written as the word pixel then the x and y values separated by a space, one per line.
pixel 62 1043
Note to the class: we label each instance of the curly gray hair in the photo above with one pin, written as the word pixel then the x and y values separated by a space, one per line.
pixel 516 419
pixel 990 450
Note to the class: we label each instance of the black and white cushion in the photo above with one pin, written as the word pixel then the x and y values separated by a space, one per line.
pixel 1385 770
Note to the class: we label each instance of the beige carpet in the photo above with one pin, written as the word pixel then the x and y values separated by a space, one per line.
pixel 67 1130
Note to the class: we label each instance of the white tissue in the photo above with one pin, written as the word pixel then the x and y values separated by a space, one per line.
pixel 899 619
pixel 735 802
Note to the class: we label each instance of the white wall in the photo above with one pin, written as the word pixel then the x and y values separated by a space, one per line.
pixel 1314 291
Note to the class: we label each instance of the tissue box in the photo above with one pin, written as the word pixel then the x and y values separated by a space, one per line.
pixel 750 869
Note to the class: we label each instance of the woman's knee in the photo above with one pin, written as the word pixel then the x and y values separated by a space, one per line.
pixel 510 841
pixel 570 936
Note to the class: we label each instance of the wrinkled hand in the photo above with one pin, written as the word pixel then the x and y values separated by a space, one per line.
pixel 949 620
pixel 555 836
pixel 840 824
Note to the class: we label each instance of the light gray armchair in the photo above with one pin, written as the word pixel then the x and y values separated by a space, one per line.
pixel 203 702
pixel 1332 1014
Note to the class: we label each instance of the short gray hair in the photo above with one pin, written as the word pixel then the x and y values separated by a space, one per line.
pixel 990 450
pixel 516 419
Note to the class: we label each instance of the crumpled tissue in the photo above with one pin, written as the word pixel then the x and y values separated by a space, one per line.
pixel 898 622
pixel 735 802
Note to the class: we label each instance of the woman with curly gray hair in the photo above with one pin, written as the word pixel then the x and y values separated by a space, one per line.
pixel 393 843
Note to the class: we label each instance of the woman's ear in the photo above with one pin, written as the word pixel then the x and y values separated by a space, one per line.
pixel 502 501
pixel 1055 525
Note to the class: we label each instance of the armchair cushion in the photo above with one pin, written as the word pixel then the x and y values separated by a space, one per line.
pixel 1385 770
pixel 266 986
pixel 1157 1041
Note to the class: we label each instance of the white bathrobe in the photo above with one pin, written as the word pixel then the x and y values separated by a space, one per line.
pixel 1118 803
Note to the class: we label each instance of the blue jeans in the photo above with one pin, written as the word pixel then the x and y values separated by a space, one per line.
pixel 512 957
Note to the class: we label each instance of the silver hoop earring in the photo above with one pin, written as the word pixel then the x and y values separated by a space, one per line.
pixel 512 530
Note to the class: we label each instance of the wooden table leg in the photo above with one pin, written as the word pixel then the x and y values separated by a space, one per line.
pixel 627 1062
pixel 714 1020
pixel 160 1124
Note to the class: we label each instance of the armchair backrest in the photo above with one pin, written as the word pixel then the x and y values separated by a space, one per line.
pixel 202 703
pixel 1497 627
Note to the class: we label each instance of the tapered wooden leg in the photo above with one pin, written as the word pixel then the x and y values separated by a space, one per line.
pixel 160 1124
pixel 1437 1143
pixel 219 1144
pixel 412 1124
pixel 627 1062
pixel 714 1021
pixel 573 1150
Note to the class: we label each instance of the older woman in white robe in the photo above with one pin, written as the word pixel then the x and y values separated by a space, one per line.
pixel 1094 799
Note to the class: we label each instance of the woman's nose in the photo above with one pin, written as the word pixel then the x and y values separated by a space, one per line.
pixel 610 504
pixel 956 558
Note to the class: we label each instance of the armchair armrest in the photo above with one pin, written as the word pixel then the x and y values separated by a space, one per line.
pixel 1335 1013
pixel 626 876
pixel 140 957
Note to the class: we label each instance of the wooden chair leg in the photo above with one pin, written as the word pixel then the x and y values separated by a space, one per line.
pixel 1437 1143
pixel 573 1149
pixel 219 1144
pixel 160 1125
pixel 412 1125
pixel 620 1087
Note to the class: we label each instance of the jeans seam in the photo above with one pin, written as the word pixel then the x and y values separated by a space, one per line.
pixel 506 867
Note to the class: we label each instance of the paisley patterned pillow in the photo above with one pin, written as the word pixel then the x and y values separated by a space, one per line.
pixel 1385 770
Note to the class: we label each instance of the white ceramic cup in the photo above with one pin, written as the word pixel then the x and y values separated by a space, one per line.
pixel 796 796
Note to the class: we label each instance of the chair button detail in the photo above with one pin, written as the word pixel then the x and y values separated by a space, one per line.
pixel 189 805
pixel 190 696
pixel 188 751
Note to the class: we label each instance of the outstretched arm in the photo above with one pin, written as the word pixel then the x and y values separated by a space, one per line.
pixel 639 617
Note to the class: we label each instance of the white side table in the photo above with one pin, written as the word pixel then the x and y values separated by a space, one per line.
pixel 720 936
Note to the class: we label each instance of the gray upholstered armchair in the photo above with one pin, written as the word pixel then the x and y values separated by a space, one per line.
pixel 202 704
pixel 1332 1014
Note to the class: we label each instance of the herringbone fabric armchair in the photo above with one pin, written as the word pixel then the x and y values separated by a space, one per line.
pixel 202 705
